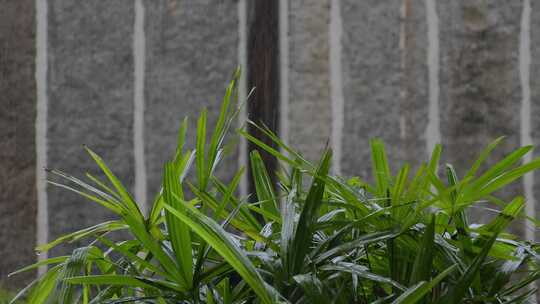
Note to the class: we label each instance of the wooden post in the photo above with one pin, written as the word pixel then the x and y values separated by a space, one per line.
pixel 263 72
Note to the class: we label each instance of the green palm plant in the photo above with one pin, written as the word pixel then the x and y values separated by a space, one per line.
pixel 310 237
pixel 407 239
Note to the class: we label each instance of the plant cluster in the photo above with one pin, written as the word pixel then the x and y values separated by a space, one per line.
pixel 305 236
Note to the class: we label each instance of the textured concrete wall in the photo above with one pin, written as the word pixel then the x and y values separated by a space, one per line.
pixel 530 110
pixel 480 87
pixel 310 112
pixel 191 55
pixel 90 85
pixel 534 83
pixel 384 81
pixel 17 134
pixel 413 105
pixel 371 81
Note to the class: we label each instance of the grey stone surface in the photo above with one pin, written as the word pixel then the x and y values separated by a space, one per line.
pixel 191 55
pixel 480 88
pixel 414 84
pixel 371 80
pixel 310 109
pixel 17 145
pixel 90 83
pixel 385 85
pixel 535 99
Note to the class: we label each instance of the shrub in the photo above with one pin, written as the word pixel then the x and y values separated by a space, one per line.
pixel 311 237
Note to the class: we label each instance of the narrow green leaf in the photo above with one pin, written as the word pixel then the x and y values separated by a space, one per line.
pixel 41 293
pixel 523 298
pixel 459 216
pixel 507 215
pixel 263 184
pixel 288 214
pixel 357 243
pixel 313 288
pixel 491 179
pixel 134 258
pixel 483 156
pixel 220 129
pixel 399 185
pixel 423 263
pixel 54 260
pixel 127 200
pixel 504 274
pixel 110 279
pixel 150 243
pixel 381 171
pixel 179 232
pixel 200 154
pixel 434 160
pixel 414 294
pixel 521 284
pixel 268 149
pixel 245 214
pixel 299 159
pixel 506 178
pixel 457 292
pixel 309 214
pixel 181 140
pixel 219 239
pixel 108 226
pixel 362 272
pixel 117 208
pixel 72 267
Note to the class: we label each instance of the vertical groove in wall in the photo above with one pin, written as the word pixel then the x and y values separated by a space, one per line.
pixel 284 69
pixel 525 119
pixel 433 132
pixel 336 85
pixel 528 64
pixel 139 49
pixel 41 127
pixel 242 91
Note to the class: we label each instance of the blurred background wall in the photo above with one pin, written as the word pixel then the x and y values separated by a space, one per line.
pixel 119 75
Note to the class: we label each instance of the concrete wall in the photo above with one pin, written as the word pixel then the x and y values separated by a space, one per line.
pixel 119 75
pixel 90 101
pixel 480 85
pixel 18 206
pixel 191 53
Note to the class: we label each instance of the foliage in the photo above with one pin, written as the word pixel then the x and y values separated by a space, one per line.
pixel 309 237
pixel 6 296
